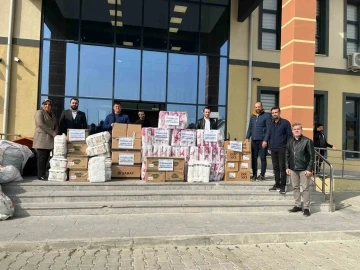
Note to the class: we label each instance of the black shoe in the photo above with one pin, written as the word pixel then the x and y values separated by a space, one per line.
pixel 42 178
pixel 307 212
pixel 274 188
pixel 295 209
pixel 282 191
pixel 253 179
pixel 261 178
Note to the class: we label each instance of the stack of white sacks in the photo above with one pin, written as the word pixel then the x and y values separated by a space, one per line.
pixel 98 148
pixel 177 141
pixel 58 163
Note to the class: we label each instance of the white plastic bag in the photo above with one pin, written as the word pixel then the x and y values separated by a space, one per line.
pixel 98 139
pixel 9 174
pixel 60 145
pixel 14 154
pixel 7 208
pixel 57 175
pixel 97 169
pixel 58 163
pixel 98 150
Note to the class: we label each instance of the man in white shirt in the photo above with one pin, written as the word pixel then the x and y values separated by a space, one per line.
pixel 72 118
pixel 206 122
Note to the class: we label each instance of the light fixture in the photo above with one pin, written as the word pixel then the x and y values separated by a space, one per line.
pixel 175 20
pixel 119 24
pixel 175 48
pixel 128 43
pixel 17 59
pixel 180 9
pixel 113 2
pixel 173 30
pixel 113 12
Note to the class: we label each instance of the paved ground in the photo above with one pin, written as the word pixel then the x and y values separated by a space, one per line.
pixel 325 255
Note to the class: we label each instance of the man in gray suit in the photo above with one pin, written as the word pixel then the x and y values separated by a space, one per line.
pixel 73 118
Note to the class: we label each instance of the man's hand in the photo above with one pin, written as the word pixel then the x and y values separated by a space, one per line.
pixel 264 144
pixel 112 124
pixel 288 171
pixel 334 147
pixel 247 140
pixel 54 134
pixel 308 174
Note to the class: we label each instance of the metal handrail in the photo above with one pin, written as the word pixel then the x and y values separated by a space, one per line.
pixel 324 160
pixel 2 135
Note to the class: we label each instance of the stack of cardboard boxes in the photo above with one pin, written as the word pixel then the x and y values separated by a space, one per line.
pixel 238 161
pixel 77 160
pixel 126 151
pixel 161 169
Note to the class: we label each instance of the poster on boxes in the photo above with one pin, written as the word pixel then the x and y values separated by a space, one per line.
pixel 172 120
pixel 187 136
pixel 235 146
pixel 166 165
pixel 161 135
pixel 76 135
pixel 126 142
pixel 126 159
pixel 210 135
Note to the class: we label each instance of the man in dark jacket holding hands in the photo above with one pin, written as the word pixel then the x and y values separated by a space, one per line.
pixel 258 131
pixel 116 117
pixel 73 118
pixel 300 157
pixel 280 132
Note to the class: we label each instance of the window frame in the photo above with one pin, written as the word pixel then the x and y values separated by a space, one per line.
pixel 346 22
pixel 356 98
pixel 269 90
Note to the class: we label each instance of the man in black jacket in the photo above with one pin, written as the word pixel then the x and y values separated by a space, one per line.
pixel 321 142
pixel 73 118
pixel 143 121
pixel 205 122
pixel 258 131
pixel 280 132
pixel 300 157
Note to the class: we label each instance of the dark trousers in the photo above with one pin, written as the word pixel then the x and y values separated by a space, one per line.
pixel 256 151
pixel 42 160
pixel 278 161
pixel 319 161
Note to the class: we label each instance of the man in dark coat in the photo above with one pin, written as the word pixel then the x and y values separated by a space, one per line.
pixel 72 118
pixel 321 142
pixel 143 121
pixel 205 122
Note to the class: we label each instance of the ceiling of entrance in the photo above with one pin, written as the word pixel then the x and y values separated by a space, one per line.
pixel 156 13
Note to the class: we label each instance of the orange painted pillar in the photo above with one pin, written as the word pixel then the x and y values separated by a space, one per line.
pixel 297 62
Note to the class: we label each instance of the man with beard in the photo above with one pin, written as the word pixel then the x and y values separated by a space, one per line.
pixel 143 121
pixel 72 118
pixel 321 142
pixel 280 132
pixel 206 122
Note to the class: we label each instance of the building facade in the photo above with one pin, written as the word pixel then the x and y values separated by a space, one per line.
pixel 183 55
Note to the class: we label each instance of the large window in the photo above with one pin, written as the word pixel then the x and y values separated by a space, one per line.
pixel 270 25
pixel 150 54
pixel 269 97
pixel 352 28
pixel 352 125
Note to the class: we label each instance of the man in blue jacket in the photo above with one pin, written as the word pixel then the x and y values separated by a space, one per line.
pixel 280 133
pixel 116 117
pixel 258 131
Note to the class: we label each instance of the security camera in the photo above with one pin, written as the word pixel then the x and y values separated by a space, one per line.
pixel 17 59
pixel 256 79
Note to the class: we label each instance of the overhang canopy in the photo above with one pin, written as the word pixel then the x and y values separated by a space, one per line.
pixel 246 7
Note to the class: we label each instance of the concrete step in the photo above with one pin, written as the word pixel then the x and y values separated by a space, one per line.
pixel 153 195
pixel 148 207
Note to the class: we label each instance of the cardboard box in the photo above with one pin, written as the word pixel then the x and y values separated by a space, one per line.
pixel 77 162
pixel 245 157
pixel 155 177
pixel 76 148
pixel 77 135
pixel 232 166
pixel 246 147
pixel 243 176
pixel 245 166
pixel 127 143
pixel 119 130
pixel 125 172
pixel 78 175
pixel 134 131
pixel 237 176
pixel 175 176
pixel 152 164
pixel 231 155
pixel 128 156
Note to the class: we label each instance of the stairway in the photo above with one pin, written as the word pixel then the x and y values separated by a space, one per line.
pixel 42 198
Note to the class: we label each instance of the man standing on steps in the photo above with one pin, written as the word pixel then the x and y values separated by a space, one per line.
pixel 300 157
pixel 73 118
pixel 280 132
pixel 321 142
pixel 258 131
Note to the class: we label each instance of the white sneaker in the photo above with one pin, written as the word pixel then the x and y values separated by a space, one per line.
pixel 278 189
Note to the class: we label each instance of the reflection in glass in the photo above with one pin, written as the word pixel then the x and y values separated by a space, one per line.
pixel 350 108
pixel 127 74
pixel 182 78
pixel 61 19
pixel 97 24
pixel 184 27
pixel 129 14
pixel 156 22
pixel 351 130
pixel 214 30
pixel 59 68
pixel 154 76
pixel 212 80
pixel 96 71
pixel 190 109
pixel 95 110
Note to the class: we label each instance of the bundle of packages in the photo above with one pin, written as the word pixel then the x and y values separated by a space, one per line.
pixel 181 151
pixel 198 171
pixel 97 169
pixel 98 139
pixel 194 153
pixel 184 137
pixel 14 154
pixel 173 120
pixel 161 151
pixel 57 175
pixel 161 136
pixel 217 172
pixel 213 138
pixel 147 136
pixel 216 157
pixel 96 150
pixel 9 174
pixel 108 163
pixel 147 151
pixel 60 146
